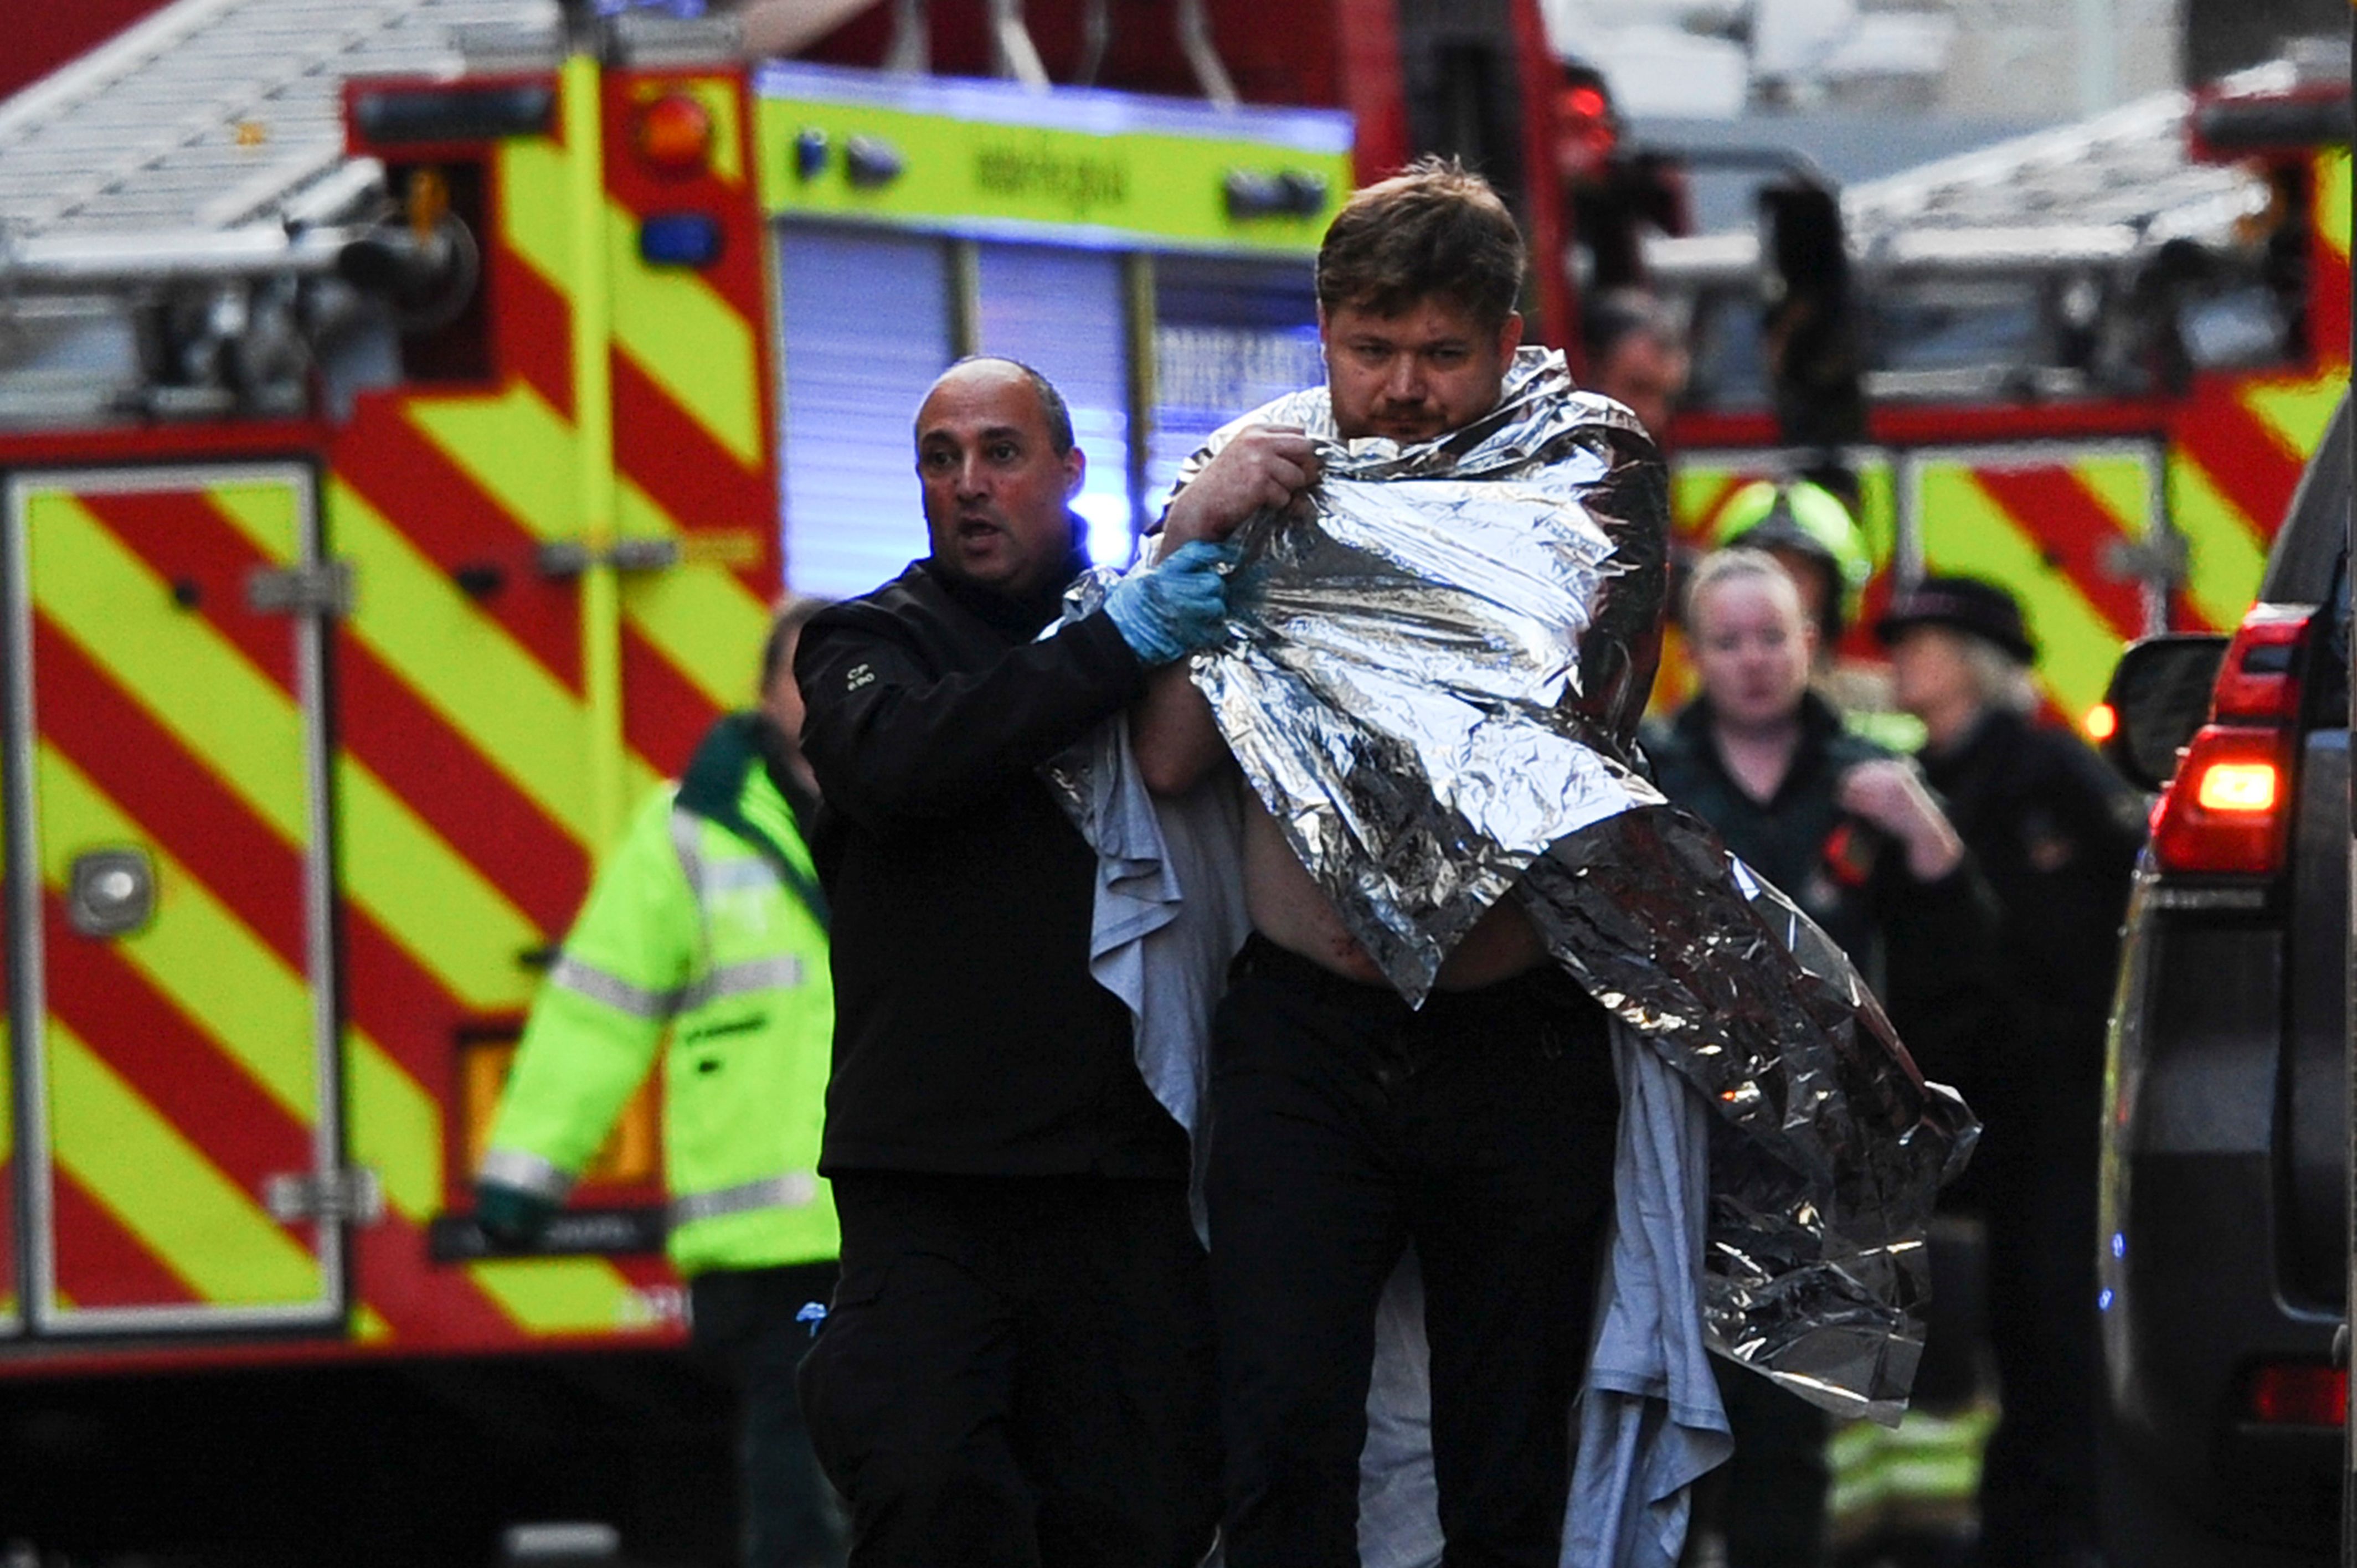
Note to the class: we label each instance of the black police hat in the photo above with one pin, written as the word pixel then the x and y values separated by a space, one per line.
pixel 1967 604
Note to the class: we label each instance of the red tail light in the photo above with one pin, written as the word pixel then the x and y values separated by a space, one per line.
pixel 2227 812
pixel 2301 1394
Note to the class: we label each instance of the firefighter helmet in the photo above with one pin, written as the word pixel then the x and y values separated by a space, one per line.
pixel 1809 520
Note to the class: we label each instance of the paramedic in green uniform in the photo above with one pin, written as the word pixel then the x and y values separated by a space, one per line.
pixel 705 929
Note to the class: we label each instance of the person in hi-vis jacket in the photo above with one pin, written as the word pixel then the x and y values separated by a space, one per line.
pixel 705 929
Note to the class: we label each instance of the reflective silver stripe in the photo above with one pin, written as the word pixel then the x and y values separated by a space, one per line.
pixel 526 1172
pixel 735 875
pixel 612 989
pixel 775 973
pixel 791 1190
pixel 686 839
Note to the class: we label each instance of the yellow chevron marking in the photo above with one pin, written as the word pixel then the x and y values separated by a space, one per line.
pixel 243 997
pixel 429 899
pixel 2332 205
pixel 163 1189
pixel 2296 412
pixel 368 1327
pixel 561 1295
pixel 516 448
pixel 2226 555
pixel 1696 492
pixel 246 730
pixel 462 664
pixel 705 623
pixel 676 327
pixel 395 1128
pixel 232 717
pixel 688 340
pixel 535 217
pixel 1878 509
pixel 198 952
pixel 1965 531
pixel 266 511
pixel 2123 485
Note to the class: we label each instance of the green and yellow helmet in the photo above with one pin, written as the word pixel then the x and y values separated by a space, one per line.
pixel 1806 519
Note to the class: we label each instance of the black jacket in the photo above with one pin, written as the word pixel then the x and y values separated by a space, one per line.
pixel 1927 948
pixel 2056 832
pixel 969 1036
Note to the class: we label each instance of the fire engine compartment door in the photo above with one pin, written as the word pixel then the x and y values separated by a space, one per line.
pixel 172 1011
pixel 2078 532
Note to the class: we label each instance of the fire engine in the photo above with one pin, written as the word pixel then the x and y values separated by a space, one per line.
pixel 409 410
pixel 2088 363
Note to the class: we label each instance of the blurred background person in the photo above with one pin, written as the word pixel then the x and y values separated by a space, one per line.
pixel 1814 535
pixel 1637 356
pixel 2055 831
pixel 706 927
pixel 1851 834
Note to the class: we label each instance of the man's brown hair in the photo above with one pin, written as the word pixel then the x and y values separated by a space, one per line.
pixel 1434 229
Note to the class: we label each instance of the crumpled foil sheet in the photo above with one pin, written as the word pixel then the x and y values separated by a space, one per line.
pixel 1431 681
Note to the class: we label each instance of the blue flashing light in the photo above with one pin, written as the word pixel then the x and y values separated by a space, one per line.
pixel 680 240
pixel 2104 1302
pixel 2119 1245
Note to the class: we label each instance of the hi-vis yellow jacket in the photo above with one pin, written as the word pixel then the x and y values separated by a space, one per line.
pixel 706 924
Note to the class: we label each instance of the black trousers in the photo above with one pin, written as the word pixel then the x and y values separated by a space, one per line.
pixel 2038 1168
pixel 1017 1371
pixel 1345 1126
pixel 746 1319
pixel 1769 1499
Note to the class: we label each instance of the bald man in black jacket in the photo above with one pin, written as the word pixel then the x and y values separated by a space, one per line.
pixel 1017 1366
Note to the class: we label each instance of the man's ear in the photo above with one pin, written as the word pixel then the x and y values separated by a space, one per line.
pixel 1076 472
pixel 1509 335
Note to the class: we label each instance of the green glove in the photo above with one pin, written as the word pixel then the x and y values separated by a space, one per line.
pixel 510 1216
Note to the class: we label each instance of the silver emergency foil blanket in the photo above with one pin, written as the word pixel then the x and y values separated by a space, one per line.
pixel 1431 676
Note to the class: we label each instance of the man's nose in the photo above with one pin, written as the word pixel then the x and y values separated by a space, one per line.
pixel 971 475
pixel 1404 384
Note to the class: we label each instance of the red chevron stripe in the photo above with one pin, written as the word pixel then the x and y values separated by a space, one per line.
pixel 474 807
pixel 427 1304
pixel 535 330
pixel 2072 529
pixel 663 715
pixel 677 461
pixel 99 1262
pixel 446 519
pixel 162 1054
pixel 189 543
pixel 400 1003
pixel 2243 457
pixel 177 802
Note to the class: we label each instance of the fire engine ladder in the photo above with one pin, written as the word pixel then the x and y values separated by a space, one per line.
pixel 217 115
pixel 2090 194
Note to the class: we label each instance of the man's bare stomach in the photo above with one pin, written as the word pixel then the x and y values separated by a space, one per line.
pixel 1287 909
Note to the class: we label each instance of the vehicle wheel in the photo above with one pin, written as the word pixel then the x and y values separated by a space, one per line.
pixel 2143 1528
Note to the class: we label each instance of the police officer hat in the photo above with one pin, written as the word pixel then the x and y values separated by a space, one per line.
pixel 1966 604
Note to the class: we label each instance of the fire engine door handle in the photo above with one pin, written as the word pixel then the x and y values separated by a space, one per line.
pixel 111 892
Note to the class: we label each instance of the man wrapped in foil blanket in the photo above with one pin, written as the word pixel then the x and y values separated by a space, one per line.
pixel 1428 678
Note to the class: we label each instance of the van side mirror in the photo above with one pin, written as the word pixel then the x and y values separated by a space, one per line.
pixel 2160 694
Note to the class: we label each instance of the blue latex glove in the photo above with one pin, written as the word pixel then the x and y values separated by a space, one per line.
pixel 510 1216
pixel 1175 606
